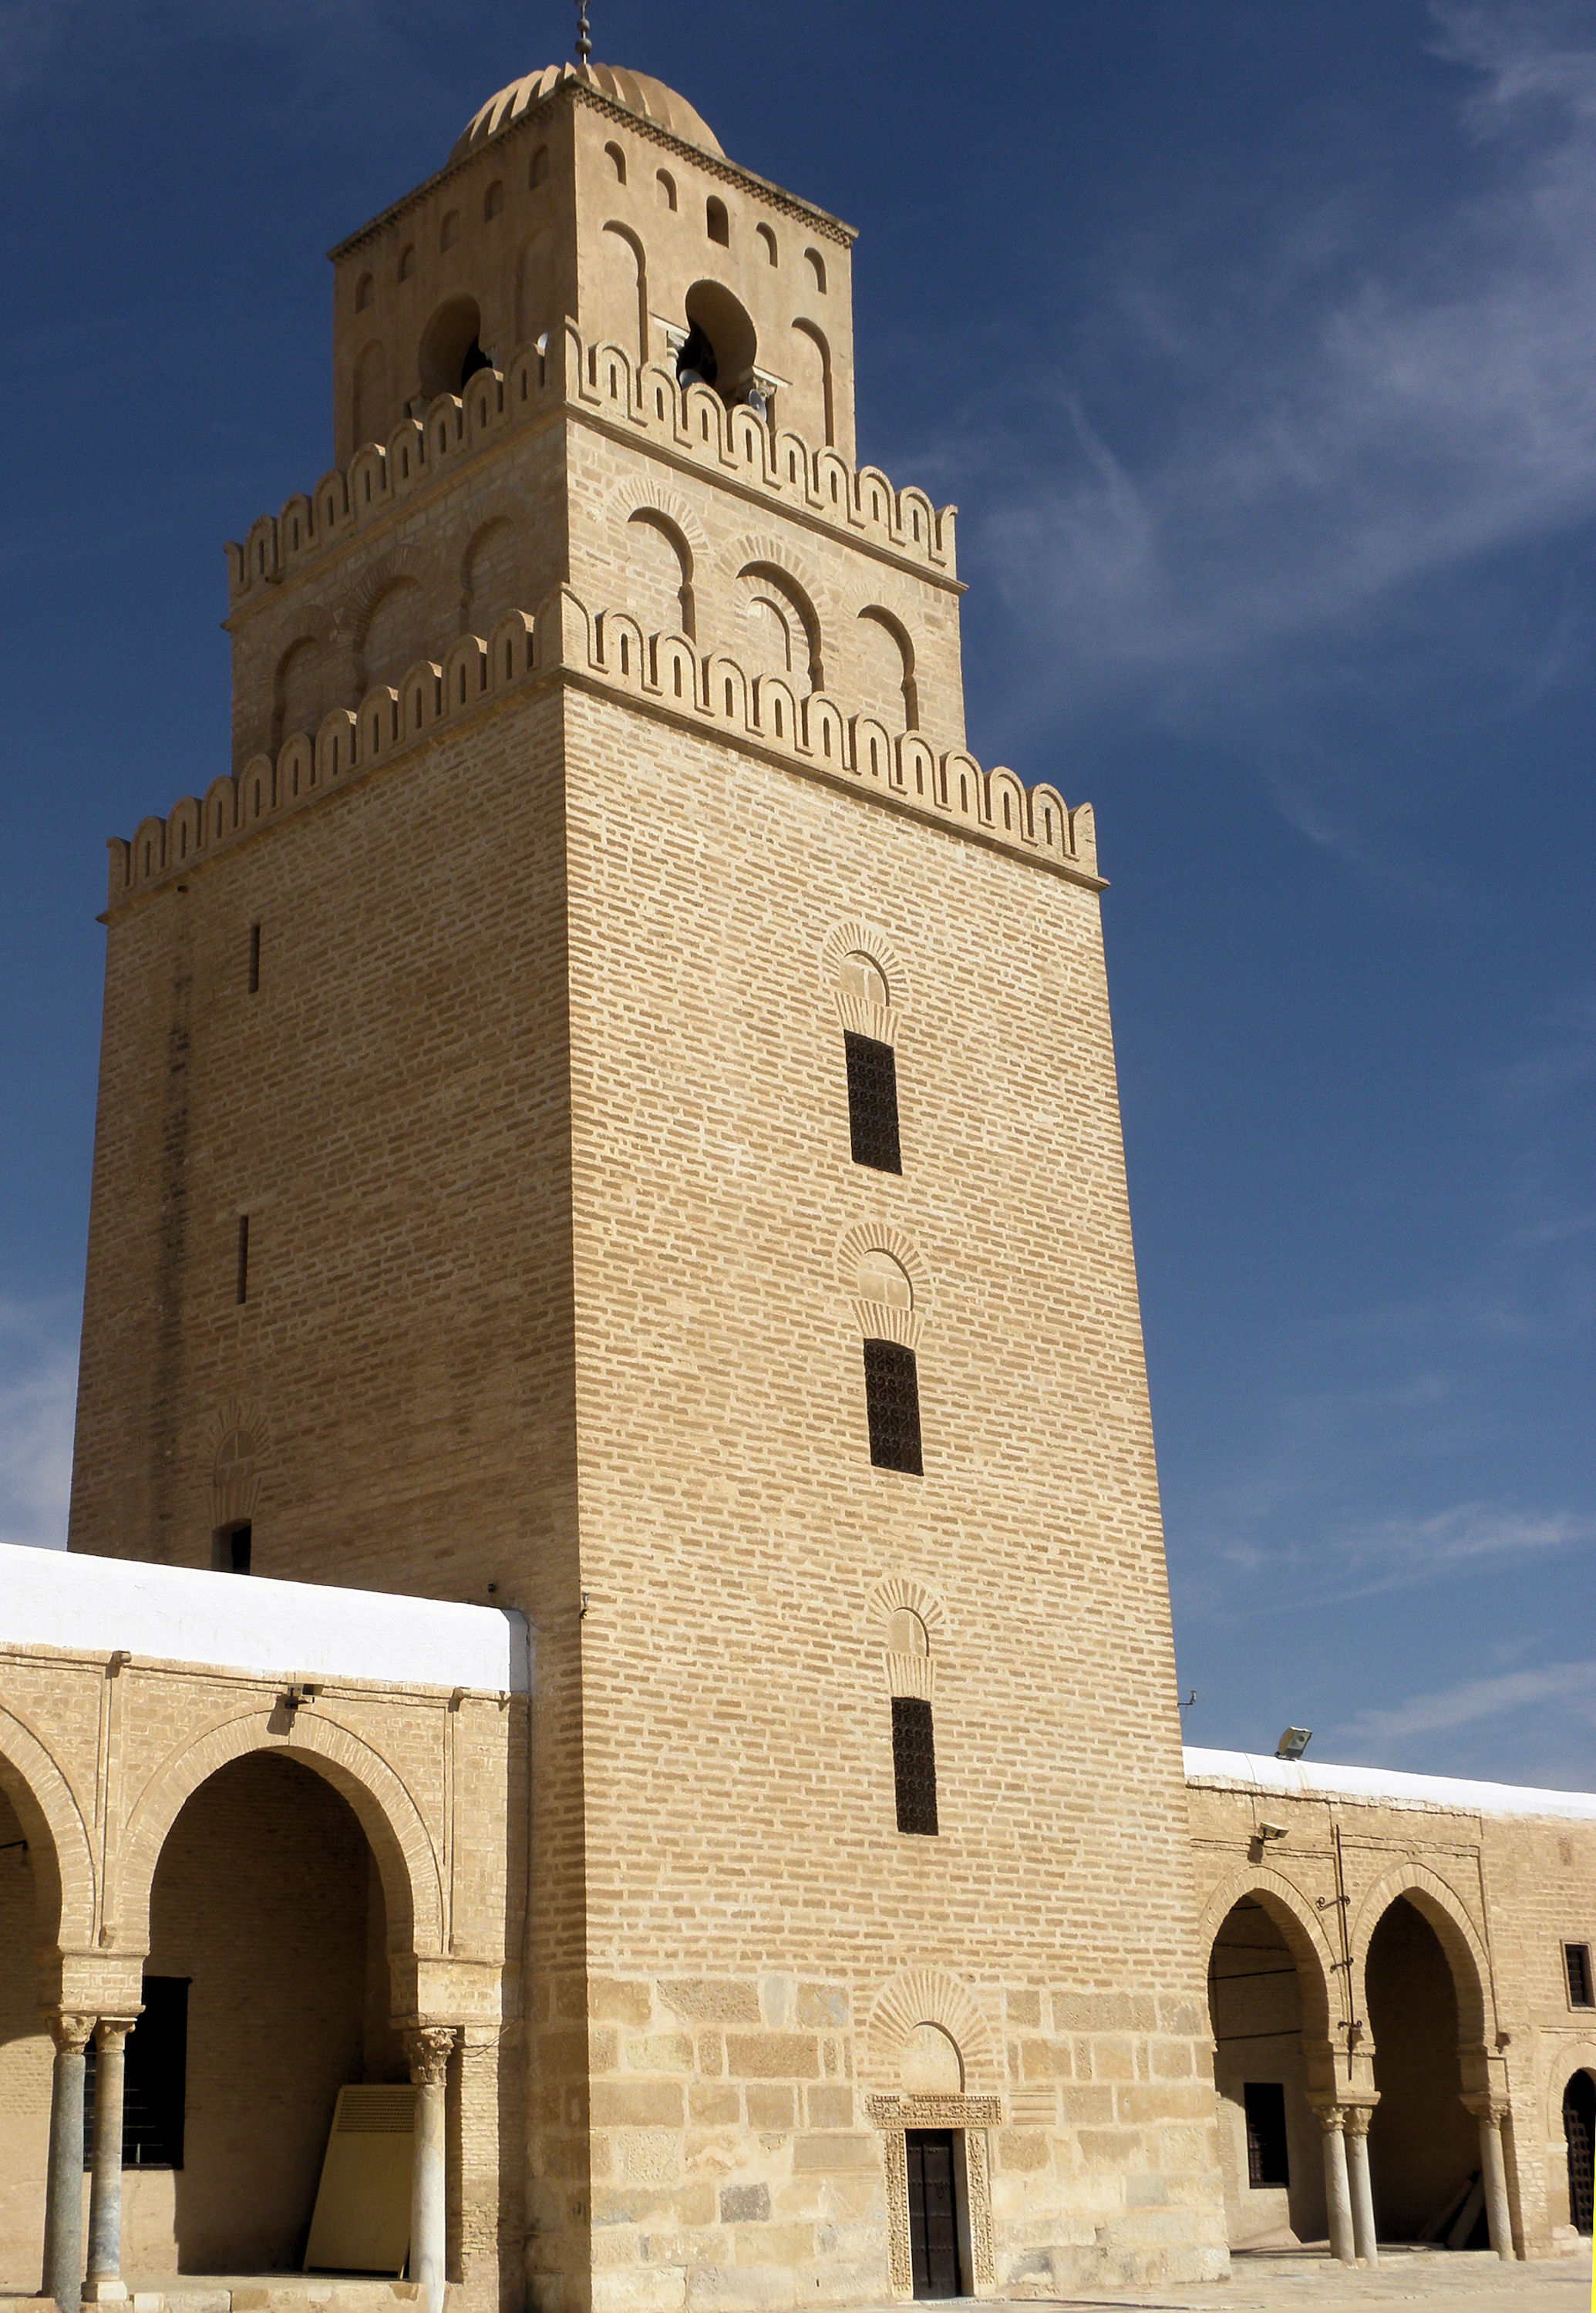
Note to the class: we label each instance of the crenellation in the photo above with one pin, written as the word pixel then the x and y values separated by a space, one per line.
pixel 665 670
pixel 648 401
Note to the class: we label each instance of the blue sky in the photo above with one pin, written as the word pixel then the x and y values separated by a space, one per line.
pixel 1257 346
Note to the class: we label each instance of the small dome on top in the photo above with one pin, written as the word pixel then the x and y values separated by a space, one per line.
pixel 636 91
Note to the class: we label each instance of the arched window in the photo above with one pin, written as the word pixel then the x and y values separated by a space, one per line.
pixel 817 265
pixel 716 223
pixel 664 185
pixel 538 173
pixel 768 237
pixel 449 230
pixel 366 291
pixel 617 160
pixel 492 200
pixel 407 261
pixel 872 1101
pixel 892 1406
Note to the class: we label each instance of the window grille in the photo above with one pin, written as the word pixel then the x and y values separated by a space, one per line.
pixel 891 1401
pixel 1266 2161
pixel 242 1279
pixel 254 959
pixel 914 1764
pixel 873 1103
pixel 153 2079
pixel 1576 1960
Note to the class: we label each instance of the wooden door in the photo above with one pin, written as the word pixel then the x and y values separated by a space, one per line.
pixel 933 2215
pixel 1579 2125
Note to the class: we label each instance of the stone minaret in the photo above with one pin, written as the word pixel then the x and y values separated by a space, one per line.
pixel 607 1108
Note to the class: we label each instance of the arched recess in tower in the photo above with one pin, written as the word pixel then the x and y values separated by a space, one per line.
pixel 781 628
pixel 449 351
pixel 721 342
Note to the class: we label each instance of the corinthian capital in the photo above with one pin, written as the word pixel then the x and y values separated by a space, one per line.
pixel 71 2033
pixel 427 2048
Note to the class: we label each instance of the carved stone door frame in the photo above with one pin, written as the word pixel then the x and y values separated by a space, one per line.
pixel 968 2117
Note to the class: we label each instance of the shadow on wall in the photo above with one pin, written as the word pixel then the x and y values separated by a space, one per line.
pixel 267 1900
pixel 1423 2145
pixel 25 2059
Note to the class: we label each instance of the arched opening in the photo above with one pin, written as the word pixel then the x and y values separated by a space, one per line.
pixel 1424 2147
pixel 623 290
pixel 721 343
pixel 1579 2139
pixel 449 351
pixel 266 1990
pixel 371 394
pixel 1270 2151
pixel 25 2060
pixel 396 634
pixel 491 575
pixel 299 693
pixel 716 222
pixel 810 361
pixel 887 667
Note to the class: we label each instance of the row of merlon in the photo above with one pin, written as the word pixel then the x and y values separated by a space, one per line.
pixel 560 369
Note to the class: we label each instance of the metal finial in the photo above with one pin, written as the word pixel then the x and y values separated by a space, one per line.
pixel 583 37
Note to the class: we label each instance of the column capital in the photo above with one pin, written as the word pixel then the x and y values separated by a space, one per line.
pixel 1358 2117
pixel 1331 2117
pixel 111 2031
pixel 1492 2109
pixel 71 2032
pixel 427 2048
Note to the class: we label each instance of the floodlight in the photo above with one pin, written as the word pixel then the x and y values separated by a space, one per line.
pixel 1293 1743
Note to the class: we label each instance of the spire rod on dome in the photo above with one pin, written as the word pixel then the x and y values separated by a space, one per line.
pixel 583 37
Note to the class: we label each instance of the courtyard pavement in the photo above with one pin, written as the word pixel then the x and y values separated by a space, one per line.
pixel 1283 2281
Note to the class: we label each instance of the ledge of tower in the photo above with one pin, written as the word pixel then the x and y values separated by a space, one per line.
pixel 649 98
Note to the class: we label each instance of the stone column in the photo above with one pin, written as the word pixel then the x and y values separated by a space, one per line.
pixel 1332 2119
pixel 427 2048
pixel 104 2284
pixel 1358 2117
pixel 1490 2112
pixel 64 2190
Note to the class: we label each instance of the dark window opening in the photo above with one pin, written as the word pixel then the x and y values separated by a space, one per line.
pixel 153 2084
pixel 254 959
pixel 1577 1959
pixel 1579 2133
pixel 914 1764
pixel 1266 2162
pixel 891 1401
pixel 243 1257
pixel 696 364
pixel 933 2213
pixel 231 1547
pixel 873 1103
pixel 474 360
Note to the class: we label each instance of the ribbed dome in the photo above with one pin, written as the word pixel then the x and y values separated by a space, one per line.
pixel 649 97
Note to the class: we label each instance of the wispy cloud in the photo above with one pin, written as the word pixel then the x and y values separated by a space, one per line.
pixel 37 1391
pixel 1474 1703
pixel 1426 395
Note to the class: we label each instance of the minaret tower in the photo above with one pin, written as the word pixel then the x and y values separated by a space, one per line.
pixel 607 1108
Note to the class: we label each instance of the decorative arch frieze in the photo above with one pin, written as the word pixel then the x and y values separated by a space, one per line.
pixel 56 1825
pixel 930 1995
pixel 878 1319
pixel 406 1856
pixel 1444 1910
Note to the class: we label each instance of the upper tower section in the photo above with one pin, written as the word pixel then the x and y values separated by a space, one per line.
pixel 601 195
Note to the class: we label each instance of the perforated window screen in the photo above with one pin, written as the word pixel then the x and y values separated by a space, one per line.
pixel 1577 1959
pixel 914 1764
pixel 1266 2162
pixel 873 1103
pixel 892 1401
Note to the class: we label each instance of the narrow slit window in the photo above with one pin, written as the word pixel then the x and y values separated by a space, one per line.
pixel 243 1257
pixel 892 1403
pixel 873 1103
pixel 155 2082
pixel 1576 1962
pixel 1266 2162
pixel 254 959
pixel 914 1764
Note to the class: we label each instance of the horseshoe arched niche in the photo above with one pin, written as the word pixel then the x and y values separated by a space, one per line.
pixel 923 2024
pixel 883 1273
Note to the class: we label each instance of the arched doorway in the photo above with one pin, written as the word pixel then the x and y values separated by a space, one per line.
pixel 1579 2137
pixel 25 2059
pixel 1270 2145
pixel 1424 2146
pixel 265 1991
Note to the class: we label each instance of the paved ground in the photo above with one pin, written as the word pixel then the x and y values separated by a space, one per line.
pixel 1277 2281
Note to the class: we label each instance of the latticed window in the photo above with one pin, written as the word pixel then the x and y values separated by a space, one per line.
pixel 873 1103
pixel 914 1764
pixel 892 1401
pixel 1577 1959
pixel 155 2083
pixel 1266 2162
